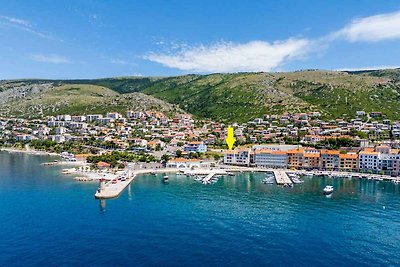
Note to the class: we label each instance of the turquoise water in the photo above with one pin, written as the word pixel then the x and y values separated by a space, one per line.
pixel 48 219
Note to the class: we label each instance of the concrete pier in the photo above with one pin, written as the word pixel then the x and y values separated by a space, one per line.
pixel 282 178
pixel 208 177
pixel 110 190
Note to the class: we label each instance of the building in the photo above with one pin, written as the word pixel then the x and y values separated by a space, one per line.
pixel 348 162
pixel 237 157
pixel 368 160
pixel 295 158
pixel 311 159
pixel 199 147
pixel 329 159
pixel 182 163
pixel 270 159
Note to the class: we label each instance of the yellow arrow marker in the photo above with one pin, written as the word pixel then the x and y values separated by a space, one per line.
pixel 230 139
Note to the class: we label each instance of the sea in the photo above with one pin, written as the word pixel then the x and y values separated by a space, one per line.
pixel 48 219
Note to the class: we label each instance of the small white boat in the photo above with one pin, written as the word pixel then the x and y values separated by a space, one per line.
pixel 165 179
pixel 268 180
pixel 328 189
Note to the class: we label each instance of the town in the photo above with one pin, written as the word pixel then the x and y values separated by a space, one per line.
pixel 366 143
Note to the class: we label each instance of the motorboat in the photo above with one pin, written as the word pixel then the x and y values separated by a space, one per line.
pixel 328 189
pixel 268 180
pixel 165 179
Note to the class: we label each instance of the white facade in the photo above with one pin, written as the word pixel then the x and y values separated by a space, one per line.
pixel 237 157
pixel 271 159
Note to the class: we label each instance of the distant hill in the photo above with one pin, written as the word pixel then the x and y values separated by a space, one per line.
pixel 235 97
pixel 48 99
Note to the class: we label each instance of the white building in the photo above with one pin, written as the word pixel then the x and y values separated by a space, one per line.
pixel 270 159
pixel 237 157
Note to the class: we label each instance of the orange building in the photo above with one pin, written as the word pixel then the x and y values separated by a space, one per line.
pixel 348 162
pixel 312 160
pixel 295 158
pixel 329 159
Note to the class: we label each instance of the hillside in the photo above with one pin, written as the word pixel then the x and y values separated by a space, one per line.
pixel 232 97
pixel 76 99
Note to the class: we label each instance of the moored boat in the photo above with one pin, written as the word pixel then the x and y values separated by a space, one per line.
pixel 328 189
pixel 166 179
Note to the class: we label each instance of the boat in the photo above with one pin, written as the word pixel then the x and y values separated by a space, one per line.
pixel 328 189
pixel 295 178
pixel 165 179
pixel 268 180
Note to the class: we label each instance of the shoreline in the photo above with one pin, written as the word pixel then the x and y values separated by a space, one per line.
pixel 30 152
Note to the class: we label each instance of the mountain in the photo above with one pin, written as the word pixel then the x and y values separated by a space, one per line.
pixel 236 97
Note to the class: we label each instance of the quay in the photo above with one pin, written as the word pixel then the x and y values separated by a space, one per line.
pixel 108 189
pixel 282 178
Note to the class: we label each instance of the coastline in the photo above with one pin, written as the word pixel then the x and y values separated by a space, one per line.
pixel 30 151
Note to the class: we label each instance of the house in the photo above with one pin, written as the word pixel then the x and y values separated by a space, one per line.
pixel 103 165
pixel 199 147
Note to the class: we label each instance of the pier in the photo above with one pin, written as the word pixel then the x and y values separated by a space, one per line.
pixel 282 178
pixel 110 190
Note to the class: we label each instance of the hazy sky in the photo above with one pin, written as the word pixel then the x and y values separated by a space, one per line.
pixel 90 39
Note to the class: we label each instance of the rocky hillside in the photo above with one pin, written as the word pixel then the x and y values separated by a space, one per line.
pixel 230 97
pixel 36 100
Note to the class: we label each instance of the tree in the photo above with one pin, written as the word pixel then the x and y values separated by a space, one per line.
pixel 178 153
pixel 165 158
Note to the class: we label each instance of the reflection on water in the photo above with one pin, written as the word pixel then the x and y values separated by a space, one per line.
pixel 102 205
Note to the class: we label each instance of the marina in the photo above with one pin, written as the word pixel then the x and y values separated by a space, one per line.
pixel 195 214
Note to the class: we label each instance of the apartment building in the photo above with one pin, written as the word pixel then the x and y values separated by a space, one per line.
pixel 270 158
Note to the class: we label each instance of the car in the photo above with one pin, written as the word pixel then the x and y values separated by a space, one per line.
pixel 114 181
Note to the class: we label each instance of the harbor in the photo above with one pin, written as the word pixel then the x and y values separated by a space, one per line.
pixel 112 183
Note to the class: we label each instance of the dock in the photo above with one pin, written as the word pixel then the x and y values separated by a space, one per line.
pixel 110 190
pixel 207 179
pixel 282 178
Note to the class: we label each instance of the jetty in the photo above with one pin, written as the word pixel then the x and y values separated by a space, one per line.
pixel 113 188
pixel 282 178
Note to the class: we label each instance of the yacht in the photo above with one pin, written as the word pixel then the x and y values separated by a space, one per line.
pixel 328 189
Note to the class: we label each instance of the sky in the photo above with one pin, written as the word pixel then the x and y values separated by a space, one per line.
pixel 96 38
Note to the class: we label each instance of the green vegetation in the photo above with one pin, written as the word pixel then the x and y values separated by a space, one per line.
pixel 116 158
pixel 223 97
pixel 78 99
